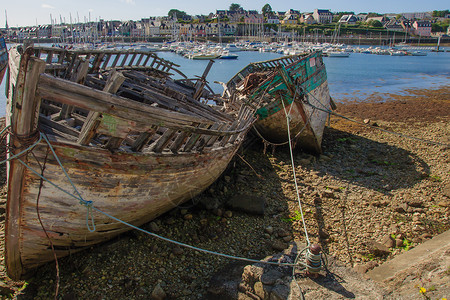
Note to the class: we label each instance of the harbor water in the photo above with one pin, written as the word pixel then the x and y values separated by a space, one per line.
pixel 359 77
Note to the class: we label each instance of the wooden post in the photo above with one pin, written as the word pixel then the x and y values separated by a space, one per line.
pixel 24 123
pixel 113 84
pixel 202 81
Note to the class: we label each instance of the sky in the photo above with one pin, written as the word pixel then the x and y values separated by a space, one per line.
pixel 32 12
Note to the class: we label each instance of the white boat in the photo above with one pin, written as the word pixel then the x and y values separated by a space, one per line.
pixel 418 53
pixel 337 54
pixel 232 48
pixel 227 55
pixel 204 56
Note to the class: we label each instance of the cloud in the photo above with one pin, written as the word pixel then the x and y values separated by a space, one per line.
pixel 47 6
pixel 128 1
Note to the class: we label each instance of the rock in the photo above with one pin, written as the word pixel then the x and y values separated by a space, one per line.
pixel 363 268
pixel 278 245
pixel 158 293
pixel 446 190
pixel 279 292
pixel 304 161
pixel 360 268
pixel 218 212
pixel 366 121
pixel 401 208
pixel 378 249
pixel 183 211
pixel 426 236
pixel 443 203
pixel 247 203
pixel 398 243
pixel 170 221
pixel 227 179
pixel 388 241
pixel 177 250
pixel 282 233
pixel 209 203
pixel 261 291
pixel 227 214
pixel 328 194
pixel 271 277
pixel 269 229
pixel 415 203
pixel 154 227
pixel 188 216
pixel 323 234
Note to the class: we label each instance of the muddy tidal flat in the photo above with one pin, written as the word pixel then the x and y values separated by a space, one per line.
pixel 369 197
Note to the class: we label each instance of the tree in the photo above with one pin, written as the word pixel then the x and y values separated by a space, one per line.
pixel 177 13
pixel 440 13
pixel 267 10
pixel 436 28
pixel 375 23
pixel 372 14
pixel 235 7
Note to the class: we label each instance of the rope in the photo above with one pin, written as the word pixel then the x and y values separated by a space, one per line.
pixel 295 176
pixel 367 125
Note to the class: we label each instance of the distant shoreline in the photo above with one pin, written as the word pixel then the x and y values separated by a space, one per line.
pixel 356 40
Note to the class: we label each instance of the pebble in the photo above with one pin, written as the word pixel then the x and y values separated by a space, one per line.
pixel 228 214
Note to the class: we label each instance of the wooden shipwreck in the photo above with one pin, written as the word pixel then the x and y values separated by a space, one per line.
pixel 134 142
pixel 295 85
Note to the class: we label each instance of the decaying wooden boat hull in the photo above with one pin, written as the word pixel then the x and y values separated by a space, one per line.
pixel 133 187
pixel 294 85
pixel 132 140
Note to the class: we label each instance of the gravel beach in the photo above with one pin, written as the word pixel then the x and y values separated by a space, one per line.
pixel 370 196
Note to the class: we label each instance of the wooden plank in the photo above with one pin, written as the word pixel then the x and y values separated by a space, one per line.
pixel 179 141
pixel 105 63
pixel 143 139
pixel 163 141
pixel 88 130
pixel 64 91
pixel 60 127
pixel 24 123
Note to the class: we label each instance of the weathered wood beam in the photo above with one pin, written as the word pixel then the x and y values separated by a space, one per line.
pixel 113 83
pixel 24 124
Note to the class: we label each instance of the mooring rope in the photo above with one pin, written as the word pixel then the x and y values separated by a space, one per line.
pixel 294 173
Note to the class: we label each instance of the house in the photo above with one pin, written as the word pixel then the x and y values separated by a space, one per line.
pixel 323 16
pixel 393 25
pixel 293 12
pixel 307 19
pixel 382 19
pixel 348 19
pixel 280 14
pixel 252 17
pixel 290 20
pixel 272 19
pixel 361 17
pixel 422 28
pixel 417 16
